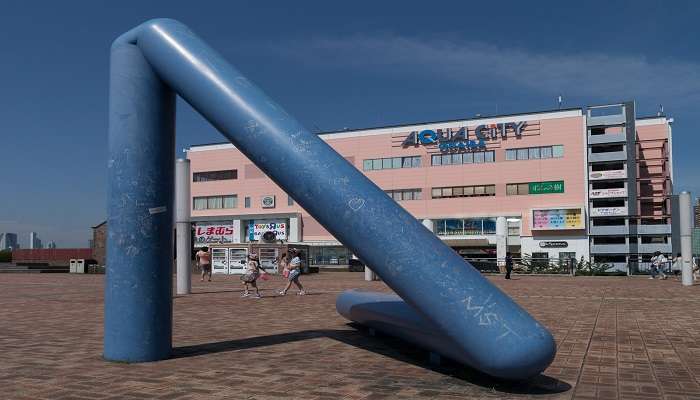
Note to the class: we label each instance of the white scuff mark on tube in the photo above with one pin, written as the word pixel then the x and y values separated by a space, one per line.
pixel 157 210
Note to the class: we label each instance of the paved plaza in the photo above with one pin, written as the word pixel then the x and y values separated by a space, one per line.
pixel 626 338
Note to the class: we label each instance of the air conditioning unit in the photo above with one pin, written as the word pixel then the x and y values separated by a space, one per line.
pixel 268 202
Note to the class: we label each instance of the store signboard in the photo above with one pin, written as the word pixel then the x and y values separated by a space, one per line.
pixel 207 233
pixel 612 174
pixel 558 219
pixel 607 193
pixel 554 244
pixel 546 187
pixel 608 211
pixel 257 228
pixel 464 138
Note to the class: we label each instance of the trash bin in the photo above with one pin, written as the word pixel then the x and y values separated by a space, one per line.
pixel 73 265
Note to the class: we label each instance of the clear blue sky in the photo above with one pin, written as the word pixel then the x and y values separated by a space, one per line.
pixel 333 65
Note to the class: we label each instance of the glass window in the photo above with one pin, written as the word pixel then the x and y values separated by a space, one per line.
pixel 396 195
pixel 534 153
pixel 200 203
pixel 457 158
pixel 407 195
pixel 479 157
pixel 246 202
pixel 458 191
pixel 469 191
pixel 447 192
pixel 446 159
pixel 407 162
pixel 511 154
pixel 367 165
pixel 396 162
pixel 290 200
pixel 479 190
pixel 546 152
pixel 230 201
pixel 489 226
pixel 377 163
pixel 386 163
pixel 523 154
pixel 511 189
pixel 454 227
pixel 415 162
pixel 557 151
pixel 436 193
pixel 417 194
pixel 214 202
pixel 491 190
pixel 472 226
pixel 208 176
pixel 436 159
pixel 468 158
pixel 490 156
pixel 523 188
pixel 440 226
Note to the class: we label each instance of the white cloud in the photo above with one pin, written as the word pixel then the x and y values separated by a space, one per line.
pixel 472 63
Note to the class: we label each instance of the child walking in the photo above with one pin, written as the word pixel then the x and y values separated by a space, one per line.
pixel 251 276
pixel 294 268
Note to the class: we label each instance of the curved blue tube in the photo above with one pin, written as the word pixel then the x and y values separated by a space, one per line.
pixel 458 302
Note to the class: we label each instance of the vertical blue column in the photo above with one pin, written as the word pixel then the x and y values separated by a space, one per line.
pixel 138 288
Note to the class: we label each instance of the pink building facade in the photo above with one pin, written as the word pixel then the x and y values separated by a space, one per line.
pixel 485 186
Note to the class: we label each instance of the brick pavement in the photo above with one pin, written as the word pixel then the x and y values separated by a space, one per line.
pixel 618 338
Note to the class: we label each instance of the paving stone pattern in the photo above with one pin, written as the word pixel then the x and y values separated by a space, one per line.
pixel 618 338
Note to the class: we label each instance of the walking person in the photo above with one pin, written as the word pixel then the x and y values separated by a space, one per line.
pixel 509 265
pixel 294 272
pixel 677 265
pixel 658 262
pixel 251 276
pixel 204 262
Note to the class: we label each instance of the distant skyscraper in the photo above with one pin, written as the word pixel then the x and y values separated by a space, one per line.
pixel 696 212
pixel 51 245
pixel 34 241
pixel 8 241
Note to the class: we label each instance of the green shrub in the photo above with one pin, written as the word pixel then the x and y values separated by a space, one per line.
pixel 5 256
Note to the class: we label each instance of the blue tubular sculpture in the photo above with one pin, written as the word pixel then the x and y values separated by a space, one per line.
pixel 444 294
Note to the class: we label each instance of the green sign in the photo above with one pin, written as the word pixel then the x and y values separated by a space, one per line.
pixel 546 187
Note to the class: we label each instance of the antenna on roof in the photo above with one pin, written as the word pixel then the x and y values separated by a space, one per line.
pixel 559 100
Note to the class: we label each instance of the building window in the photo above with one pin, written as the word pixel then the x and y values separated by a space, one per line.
pixel 215 202
pixel 514 189
pixel 535 153
pixel 404 194
pixel 465 227
pixel 246 202
pixel 290 200
pixel 476 157
pixel 464 191
pixel 231 201
pixel 208 176
pixel 391 163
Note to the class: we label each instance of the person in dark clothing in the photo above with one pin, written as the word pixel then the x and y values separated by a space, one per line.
pixel 509 265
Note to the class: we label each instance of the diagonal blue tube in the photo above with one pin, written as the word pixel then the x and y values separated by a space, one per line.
pixel 494 334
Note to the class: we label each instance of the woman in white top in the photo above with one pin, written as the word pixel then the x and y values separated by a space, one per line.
pixel 294 268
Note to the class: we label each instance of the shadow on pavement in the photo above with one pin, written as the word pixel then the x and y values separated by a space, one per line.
pixel 387 346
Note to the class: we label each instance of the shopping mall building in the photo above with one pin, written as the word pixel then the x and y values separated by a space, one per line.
pixel 592 182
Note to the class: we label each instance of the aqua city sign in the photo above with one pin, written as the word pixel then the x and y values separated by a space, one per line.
pixel 451 139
